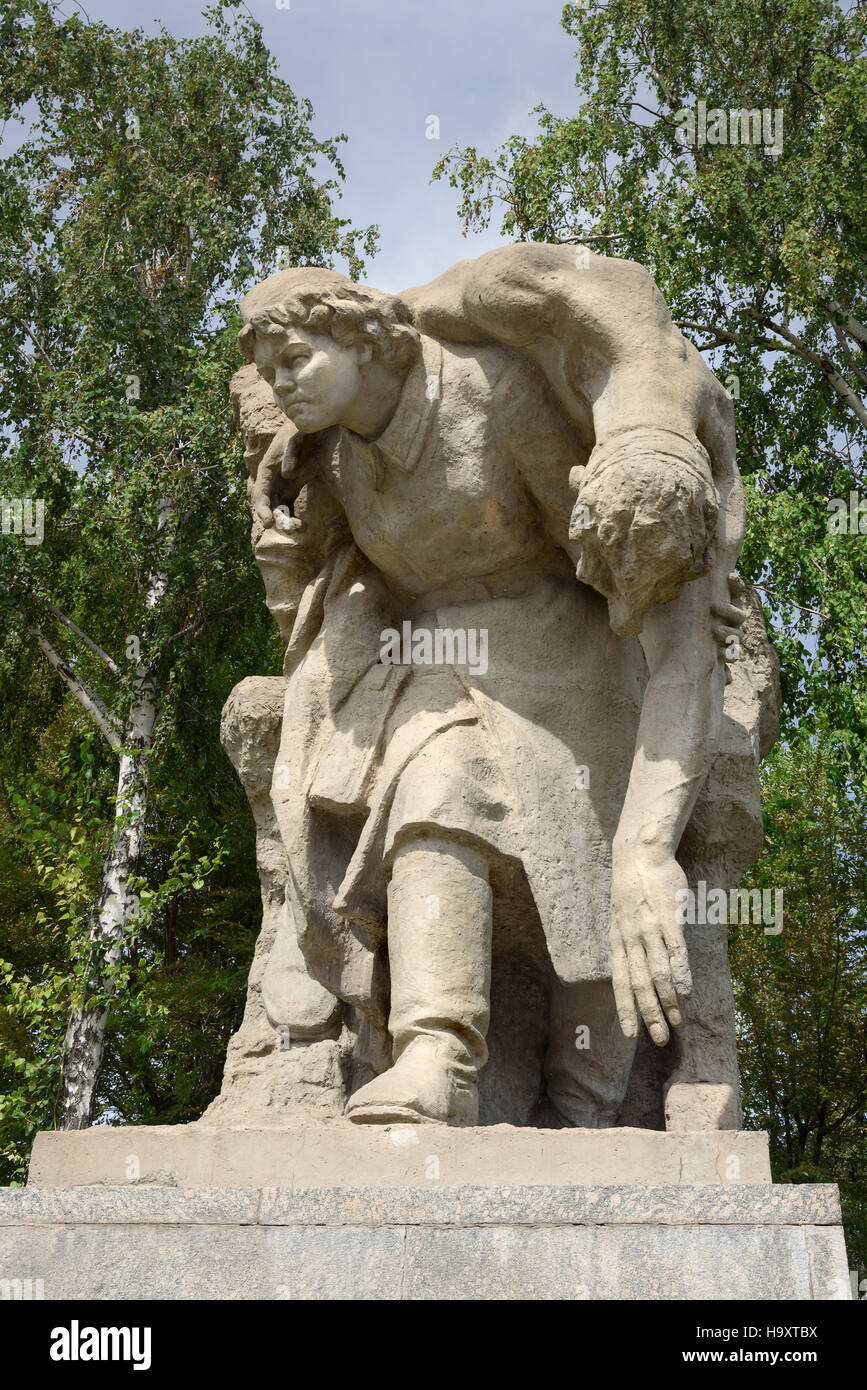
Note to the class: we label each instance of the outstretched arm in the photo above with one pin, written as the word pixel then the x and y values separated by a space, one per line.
pixel 685 644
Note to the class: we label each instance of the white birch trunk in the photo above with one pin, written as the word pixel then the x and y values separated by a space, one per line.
pixel 84 1044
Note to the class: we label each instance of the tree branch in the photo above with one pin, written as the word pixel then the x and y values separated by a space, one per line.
pixel 724 336
pixel 103 656
pixel 847 352
pixel 192 628
pixel 31 333
pixel 86 439
pixel 825 365
pixel 848 462
pixel 653 68
pixel 852 326
pixel 591 236
pixel 99 713
pixel 780 599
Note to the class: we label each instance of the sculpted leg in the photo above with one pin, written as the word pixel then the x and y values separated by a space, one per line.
pixel 589 1059
pixel 439 950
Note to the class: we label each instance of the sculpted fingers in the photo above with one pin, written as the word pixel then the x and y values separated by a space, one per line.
pixel 679 959
pixel 269 484
pixel 623 995
pixel 645 993
pixel 726 631
pixel 650 965
pixel 660 974
pixel 735 617
pixel 727 627
pixel 260 498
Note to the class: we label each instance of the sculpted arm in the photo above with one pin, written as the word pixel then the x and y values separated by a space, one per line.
pixel 685 642
pixel 296 520
pixel 656 528
pixel 678 736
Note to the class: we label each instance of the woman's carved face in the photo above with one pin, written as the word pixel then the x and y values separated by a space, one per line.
pixel 316 383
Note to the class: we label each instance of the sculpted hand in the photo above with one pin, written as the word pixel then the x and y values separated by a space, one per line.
pixel 270 486
pixel 266 486
pixel 649 960
pixel 728 620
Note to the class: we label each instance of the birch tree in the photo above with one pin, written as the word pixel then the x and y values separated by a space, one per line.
pixel 724 147
pixel 158 180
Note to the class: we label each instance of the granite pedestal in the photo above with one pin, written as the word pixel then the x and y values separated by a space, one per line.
pixel 331 1211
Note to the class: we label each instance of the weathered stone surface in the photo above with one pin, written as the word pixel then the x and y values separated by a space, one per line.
pixel 339 1154
pixel 637 1262
pixel 222 1262
pixel 124 1206
pixel 707 1205
pixel 290 1054
pixel 752 1242
pixel 451 461
pixel 826 1255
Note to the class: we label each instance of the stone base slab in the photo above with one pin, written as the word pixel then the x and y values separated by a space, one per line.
pixel 337 1153
pixel 710 1242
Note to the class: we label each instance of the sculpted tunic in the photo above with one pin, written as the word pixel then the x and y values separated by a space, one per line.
pixel 457 520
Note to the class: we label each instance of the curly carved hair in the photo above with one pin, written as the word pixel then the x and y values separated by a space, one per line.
pixel 645 521
pixel 349 313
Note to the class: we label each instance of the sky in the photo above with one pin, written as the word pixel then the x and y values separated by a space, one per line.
pixel 376 70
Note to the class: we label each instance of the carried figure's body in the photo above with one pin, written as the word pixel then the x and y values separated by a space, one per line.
pixel 480 757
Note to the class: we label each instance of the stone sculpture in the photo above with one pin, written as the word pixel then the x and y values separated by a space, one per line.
pixel 524 702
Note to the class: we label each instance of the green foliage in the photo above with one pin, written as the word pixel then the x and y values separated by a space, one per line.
pixel 801 996
pixel 49 863
pixel 159 179
pixel 761 258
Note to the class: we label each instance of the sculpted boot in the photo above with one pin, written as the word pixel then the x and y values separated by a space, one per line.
pixel 439 950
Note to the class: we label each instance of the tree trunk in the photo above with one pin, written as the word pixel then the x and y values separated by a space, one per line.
pixel 84 1045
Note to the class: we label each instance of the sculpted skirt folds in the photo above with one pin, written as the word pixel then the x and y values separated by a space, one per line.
pixel 529 759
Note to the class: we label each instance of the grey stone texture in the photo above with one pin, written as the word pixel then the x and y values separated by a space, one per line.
pixel 336 1154
pixel 526 448
pixel 753 1241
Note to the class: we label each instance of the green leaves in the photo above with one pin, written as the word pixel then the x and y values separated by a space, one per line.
pixel 802 996
pixel 761 258
pixel 157 182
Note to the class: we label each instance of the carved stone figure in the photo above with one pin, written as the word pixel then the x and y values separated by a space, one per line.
pixel 524 701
